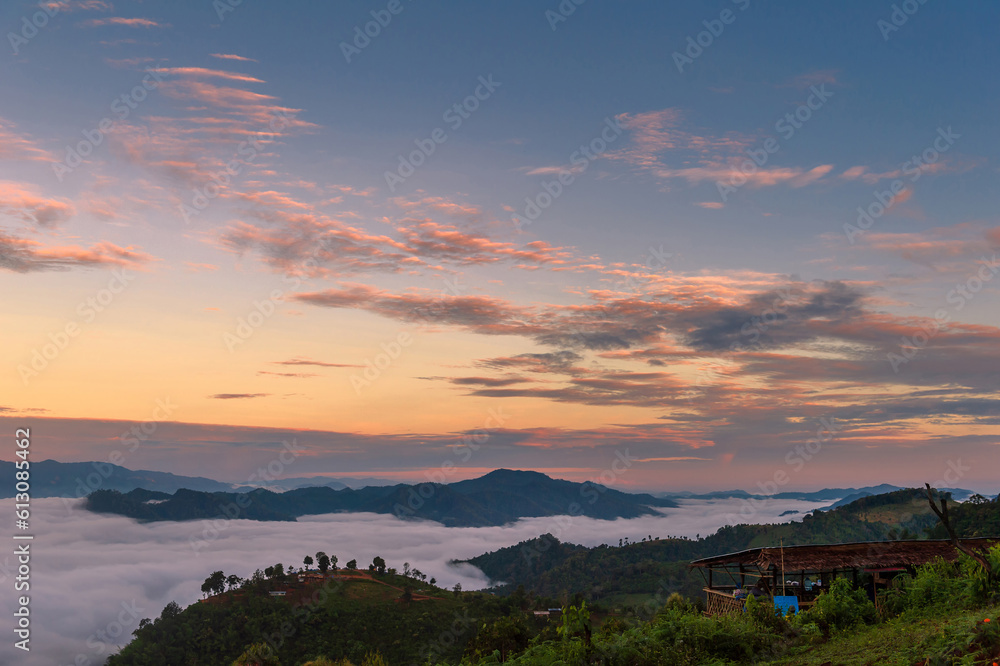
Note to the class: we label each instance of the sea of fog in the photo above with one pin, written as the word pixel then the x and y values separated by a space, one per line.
pixel 93 577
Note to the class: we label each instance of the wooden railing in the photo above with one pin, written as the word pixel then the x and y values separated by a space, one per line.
pixel 720 603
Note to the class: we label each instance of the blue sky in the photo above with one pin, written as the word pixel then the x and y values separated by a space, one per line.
pixel 610 318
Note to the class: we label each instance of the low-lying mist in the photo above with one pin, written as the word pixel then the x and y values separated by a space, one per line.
pixel 93 577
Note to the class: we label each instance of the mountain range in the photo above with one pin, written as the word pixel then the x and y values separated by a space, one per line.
pixel 839 495
pixel 498 498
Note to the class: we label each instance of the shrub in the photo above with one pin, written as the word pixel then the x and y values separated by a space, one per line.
pixel 936 582
pixel 840 607
pixel 982 588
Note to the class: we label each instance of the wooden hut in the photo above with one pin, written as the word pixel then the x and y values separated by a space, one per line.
pixel 805 571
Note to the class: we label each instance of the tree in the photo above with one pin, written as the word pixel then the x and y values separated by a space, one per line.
pixel 171 610
pixel 324 563
pixel 379 564
pixel 942 514
pixel 406 569
pixel 258 654
pixel 353 565
pixel 509 635
pixel 458 587
pixel 234 581
pixel 433 581
pixel 333 562
pixel 215 584
pixel 308 561
pixel 269 572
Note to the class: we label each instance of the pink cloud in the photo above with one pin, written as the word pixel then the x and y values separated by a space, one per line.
pixel 128 22
pixel 22 255
pixel 209 73
pixel 231 56
pixel 16 146
pixel 23 202
pixel 656 134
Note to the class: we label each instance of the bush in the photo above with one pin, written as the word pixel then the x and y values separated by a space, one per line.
pixel 981 587
pixel 936 582
pixel 840 607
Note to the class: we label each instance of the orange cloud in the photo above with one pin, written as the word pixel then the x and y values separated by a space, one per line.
pixel 128 22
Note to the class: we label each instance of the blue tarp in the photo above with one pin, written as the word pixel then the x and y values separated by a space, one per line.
pixel 782 604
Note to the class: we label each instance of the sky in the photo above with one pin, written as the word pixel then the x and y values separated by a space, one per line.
pixel 79 584
pixel 669 246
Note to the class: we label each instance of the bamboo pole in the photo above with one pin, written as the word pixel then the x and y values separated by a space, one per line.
pixel 781 545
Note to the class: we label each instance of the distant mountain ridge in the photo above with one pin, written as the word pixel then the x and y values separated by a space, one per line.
pixel 841 496
pixel 51 478
pixel 498 498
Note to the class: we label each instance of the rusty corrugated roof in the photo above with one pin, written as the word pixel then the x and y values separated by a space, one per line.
pixel 826 557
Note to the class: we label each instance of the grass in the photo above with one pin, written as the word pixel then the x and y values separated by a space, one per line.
pixel 903 641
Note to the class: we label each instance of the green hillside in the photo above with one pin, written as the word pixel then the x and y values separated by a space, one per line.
pixel 616 606
pixel 630 574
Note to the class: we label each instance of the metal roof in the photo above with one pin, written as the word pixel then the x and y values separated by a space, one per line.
pixel 858 555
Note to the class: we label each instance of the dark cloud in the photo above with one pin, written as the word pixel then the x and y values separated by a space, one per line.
pixel 237 396
pixel 774 319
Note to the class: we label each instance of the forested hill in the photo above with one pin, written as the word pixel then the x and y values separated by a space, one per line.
pixel 498 498
pixel 612 572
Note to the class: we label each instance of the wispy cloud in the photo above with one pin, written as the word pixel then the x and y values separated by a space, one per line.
pixel 231 56
pixel 127 22
pixel 22 255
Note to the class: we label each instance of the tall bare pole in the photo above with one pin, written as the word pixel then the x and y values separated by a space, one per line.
pixel 781 544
